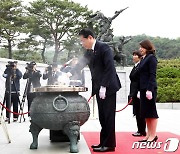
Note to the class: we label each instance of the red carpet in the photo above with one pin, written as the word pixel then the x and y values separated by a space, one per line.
pixel 124 143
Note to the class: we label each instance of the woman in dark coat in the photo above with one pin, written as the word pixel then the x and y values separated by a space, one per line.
pixel 148 89
pixel 134 88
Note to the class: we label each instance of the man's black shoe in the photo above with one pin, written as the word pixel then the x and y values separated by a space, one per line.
pixel 96 146
pixel 104 149
pixel 137 134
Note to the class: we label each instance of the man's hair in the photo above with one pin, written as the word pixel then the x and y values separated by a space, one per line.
pixel 86 32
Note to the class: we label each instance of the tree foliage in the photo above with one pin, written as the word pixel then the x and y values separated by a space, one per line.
pixel 12 21
pixel 165 48
pixel 56 19
pixel 55 23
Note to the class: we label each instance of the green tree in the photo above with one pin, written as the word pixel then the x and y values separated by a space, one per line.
pixel 57 19
pixel 165 48
pixel 28 50
pixel 36 29
pixel 12 22
pixel 73 46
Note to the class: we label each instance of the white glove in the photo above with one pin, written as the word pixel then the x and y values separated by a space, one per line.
pixel 102 92
pixel 148 94
pixel 138 94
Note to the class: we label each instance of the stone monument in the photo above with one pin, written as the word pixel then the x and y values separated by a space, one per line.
pixel 106 34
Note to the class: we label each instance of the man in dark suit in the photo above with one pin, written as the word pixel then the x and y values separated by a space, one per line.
pixel 52 74
pixel 105 84
pixel 134 88
pixel 33 80
pixel 13 76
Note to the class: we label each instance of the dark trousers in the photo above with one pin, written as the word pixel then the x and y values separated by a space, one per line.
pixel 30 97
pixel 141 123
pixel 14 102
pixel 106 108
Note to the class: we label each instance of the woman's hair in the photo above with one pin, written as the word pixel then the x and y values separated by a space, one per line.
pixel 138 53
pixel 146 44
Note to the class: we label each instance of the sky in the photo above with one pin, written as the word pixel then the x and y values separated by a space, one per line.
pixel 150 17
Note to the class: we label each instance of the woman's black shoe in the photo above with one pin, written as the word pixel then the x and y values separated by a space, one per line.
pixel 142 141
pixel 154 140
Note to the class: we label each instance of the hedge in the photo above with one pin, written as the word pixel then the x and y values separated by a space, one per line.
pixel 168 79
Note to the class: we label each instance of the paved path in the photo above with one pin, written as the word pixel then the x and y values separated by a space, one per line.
pixel 125 122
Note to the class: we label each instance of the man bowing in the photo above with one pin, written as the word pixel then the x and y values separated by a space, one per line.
pixel 105 84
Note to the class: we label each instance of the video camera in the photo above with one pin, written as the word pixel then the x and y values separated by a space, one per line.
pixel 11 67
pixel 30 66
pixel 49 68
pixel 11 64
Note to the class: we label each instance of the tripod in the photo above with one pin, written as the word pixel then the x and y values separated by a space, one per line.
pixel 7 96
pixel 23 100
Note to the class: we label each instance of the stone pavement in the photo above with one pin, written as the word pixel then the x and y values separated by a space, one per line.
pixel 125 122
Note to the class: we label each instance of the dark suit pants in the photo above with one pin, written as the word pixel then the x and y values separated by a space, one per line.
pixel 14 102
pixel 106 108
pixel 141 123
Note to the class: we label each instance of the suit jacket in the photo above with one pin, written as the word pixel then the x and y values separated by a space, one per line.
pixel 147 69
pixel 52 77
pixel 17 75
pixel 34 79
pixel 134 78
pixel 101 64
pixel 78 75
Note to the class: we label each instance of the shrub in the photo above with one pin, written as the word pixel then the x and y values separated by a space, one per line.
pixel 168 79
pixel 168 72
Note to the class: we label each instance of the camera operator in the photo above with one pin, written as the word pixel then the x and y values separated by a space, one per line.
pixel 78 78
pixel 12 75
pixel 51 73
pixel 33 77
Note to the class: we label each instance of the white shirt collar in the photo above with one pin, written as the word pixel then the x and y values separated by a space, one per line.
pixel 143 56
pixel 136 63
pixel 93 46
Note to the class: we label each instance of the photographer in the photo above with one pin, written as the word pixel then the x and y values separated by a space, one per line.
pixel 51 73
pixel 78 78
pixel 33 77
pixel 12 75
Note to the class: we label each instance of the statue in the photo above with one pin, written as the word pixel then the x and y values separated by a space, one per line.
pixel 122 41
pixel 104 22
pixel 106 34
pixel 120 57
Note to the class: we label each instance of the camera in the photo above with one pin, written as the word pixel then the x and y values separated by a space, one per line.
pixel 11 64
pixel 30 66
pixel 49 68
pixel 11 67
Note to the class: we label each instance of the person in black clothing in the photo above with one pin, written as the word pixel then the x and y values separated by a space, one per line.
pixel 33 78
pixel 148 89
pixel 134 88
pixel 51 73
pixel 105 84
pixel 13 76
pixel 78 78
